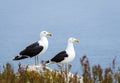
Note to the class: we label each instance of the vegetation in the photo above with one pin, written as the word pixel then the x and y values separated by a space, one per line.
pixel 94 74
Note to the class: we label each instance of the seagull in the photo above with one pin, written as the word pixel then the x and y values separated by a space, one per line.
pixel 35 49
pixel 65 56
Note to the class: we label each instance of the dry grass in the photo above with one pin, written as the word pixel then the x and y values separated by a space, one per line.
pixel 24 76
pixel 94 74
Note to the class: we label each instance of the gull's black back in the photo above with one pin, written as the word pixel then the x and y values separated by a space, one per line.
pixel 59 57
pixel 32 50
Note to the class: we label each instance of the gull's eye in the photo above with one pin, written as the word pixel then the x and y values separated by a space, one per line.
pixel 72 39
pixel 44 32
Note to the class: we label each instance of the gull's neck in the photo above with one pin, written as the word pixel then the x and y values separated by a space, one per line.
pixel 70 47
pixel 44 40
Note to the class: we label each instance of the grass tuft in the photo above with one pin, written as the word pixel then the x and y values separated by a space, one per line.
pixel 96 74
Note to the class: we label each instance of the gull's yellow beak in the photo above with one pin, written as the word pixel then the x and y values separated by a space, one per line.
pixel 49 34
pixel 76 40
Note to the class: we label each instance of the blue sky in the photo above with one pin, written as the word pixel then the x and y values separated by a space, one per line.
pixel 84 15
pixel 62 13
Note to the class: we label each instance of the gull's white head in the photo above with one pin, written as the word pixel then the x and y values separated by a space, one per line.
pixel 72 39
pixel 45 34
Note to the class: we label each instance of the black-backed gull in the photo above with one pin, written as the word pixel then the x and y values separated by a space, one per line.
pixel 36 48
